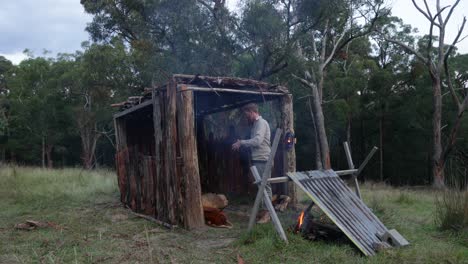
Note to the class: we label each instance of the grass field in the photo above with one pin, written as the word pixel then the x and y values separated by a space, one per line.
pixel 91 226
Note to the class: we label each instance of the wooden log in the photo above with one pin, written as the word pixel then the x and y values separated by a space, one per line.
pixel 191 187
pixel 228 81
pixel 289 162
pixel 159 196
pixel 170 156
pixel 118 104
pixel 121 157
pixel 213 89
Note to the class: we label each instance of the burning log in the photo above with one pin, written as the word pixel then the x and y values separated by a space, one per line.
pixel 313 228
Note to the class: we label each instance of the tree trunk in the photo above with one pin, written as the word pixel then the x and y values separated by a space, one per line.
pixel 348 131
pixel 89 137
pixel 318 159
pixel 321 132
pixel 48 152
pixel 43 152
pixel 437 162
pixel 381 136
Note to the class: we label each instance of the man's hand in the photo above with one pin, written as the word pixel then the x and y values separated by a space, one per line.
pixel 236 145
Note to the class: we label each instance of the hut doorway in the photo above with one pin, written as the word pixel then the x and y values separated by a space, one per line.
pixel 223 170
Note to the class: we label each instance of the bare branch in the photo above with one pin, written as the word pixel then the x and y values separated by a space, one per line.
pixel 409 49
pixel 427 15
pixel 450 12
pixel 451 140
pixel 450 85
pixel 304 81
pixel 446 67
pixel 456 40
pixel 206 5
pixel 335 46
pixel 429 43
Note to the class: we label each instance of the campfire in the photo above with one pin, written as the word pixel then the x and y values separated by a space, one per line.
pixel 316 227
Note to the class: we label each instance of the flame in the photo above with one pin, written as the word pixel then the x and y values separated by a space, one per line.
pixel 301 219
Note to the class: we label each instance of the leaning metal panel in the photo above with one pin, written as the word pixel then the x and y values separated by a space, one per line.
pixel 342 206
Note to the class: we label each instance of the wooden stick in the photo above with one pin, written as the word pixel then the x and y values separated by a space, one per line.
pixel 346 172
pixel 271 209
pixel 351 166
pixel 265 176
pixel 364 163
pixel 152 219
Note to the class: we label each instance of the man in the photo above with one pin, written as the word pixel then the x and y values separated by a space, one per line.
pixel 259 144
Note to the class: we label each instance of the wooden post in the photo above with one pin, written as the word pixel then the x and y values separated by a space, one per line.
pixel 170 177
pixel 160 198
pixel 351 167
pixel 289 165
pixel 190 178
pixel 269 205
pixel 265 176
pixel 120 133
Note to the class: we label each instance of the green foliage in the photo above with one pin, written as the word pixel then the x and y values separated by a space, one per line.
pixel 374 93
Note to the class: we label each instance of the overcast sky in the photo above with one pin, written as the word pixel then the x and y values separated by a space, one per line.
pixel 58 25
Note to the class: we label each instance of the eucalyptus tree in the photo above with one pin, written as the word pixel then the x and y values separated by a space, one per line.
pixel 171 36
pixel 103 75
pixel 37 114
pixel 341 22
pixel 436 61
pixel 392 78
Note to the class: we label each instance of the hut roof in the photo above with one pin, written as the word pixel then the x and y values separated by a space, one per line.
pixel 213 83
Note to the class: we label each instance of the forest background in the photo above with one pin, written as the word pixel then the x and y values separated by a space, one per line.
pixel 373 78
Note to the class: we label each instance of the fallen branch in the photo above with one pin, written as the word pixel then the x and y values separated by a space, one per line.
pixel 152 219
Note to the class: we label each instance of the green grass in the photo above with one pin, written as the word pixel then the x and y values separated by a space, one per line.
pixel 97 229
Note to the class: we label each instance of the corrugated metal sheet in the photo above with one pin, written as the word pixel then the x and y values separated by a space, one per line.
pixel 342 206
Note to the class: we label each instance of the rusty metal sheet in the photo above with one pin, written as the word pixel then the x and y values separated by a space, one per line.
pixel 343 207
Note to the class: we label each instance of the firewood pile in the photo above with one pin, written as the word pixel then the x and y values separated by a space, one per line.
pixel 213 205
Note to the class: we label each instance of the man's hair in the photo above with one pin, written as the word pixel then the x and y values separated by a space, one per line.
pixel 251 107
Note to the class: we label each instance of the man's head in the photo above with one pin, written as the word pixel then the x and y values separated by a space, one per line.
pixel 250 112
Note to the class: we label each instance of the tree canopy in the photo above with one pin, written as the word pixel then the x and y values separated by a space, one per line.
pixel 357 73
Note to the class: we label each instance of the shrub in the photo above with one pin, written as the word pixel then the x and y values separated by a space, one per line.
pixel 452 209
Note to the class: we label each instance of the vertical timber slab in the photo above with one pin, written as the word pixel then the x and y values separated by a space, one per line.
pixel 287 124
pixel 120 126
pixel 190 178
pixel 170 154
pixel 159 194
pixel 121 156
